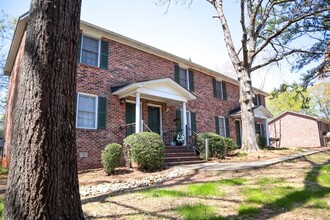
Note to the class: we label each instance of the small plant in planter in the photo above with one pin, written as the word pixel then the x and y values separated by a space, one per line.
pixel 179 139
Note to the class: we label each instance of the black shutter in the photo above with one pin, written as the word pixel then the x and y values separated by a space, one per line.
pixel 178 116
pixel 214 83
pixel 217 129
pixel 227 127
pixel 102 112
pixel 176 73
pixel 193 121
pixel 79 48
pixel 191 81
pixel 224 90
pixel 104 55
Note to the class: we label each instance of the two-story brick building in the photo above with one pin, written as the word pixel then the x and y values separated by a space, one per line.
pixel 125 86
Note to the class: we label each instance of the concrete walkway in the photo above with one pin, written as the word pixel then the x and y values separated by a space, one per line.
pixel 245 165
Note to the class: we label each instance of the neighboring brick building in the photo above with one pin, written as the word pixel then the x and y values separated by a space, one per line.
pixel 125 86
pixel 298 130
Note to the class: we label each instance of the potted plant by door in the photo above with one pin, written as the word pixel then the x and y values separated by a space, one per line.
pixel 179 139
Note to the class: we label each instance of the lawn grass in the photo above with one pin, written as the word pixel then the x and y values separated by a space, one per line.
pixel 1 205
pixel 196 212
pixel 269 180
pixel 248 210
pixel 191 190
pixel 3 170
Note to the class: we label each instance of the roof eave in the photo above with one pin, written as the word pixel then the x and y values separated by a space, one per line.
pixel 15 44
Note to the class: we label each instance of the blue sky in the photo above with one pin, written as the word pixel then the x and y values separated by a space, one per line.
pixel 189 32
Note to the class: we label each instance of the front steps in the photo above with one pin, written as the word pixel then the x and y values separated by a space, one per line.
pixel 177 155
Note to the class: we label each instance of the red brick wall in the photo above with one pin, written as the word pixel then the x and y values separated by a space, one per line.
pixel 11 104
pixel 295 131
pixel 127 65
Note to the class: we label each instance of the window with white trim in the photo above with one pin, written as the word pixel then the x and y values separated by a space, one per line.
pixel 222 126
pixel 87 111
pixel 90 51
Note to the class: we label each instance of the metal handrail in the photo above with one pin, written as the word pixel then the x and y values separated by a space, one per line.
pixel 147 127
pixel 205 139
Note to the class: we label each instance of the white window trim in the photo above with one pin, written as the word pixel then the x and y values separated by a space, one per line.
pixel 96 110
pixel 99 49
pixel 224 126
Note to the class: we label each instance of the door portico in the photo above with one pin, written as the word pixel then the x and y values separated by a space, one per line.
pixel 160 90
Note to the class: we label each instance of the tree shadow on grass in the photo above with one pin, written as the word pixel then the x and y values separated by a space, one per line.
pixel 312 190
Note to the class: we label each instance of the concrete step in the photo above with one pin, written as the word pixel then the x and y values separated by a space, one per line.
pixel 178 159
pixel 183 162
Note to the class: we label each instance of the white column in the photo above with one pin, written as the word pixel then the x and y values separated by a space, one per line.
pixel 184 124
pixel 267 131
pixel 137 113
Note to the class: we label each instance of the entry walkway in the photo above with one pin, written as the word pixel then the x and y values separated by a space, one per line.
pixel 246 165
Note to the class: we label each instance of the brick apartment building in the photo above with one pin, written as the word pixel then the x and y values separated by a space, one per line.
pixel 125 86
pixel 298 130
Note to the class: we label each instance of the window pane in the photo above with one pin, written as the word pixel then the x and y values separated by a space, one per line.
pixel 183 78
pixel 218 88
pixel 91 44
pixel 86 111
pixel 90 50
pixel 89 58
pixel 258 130
pixel 222 128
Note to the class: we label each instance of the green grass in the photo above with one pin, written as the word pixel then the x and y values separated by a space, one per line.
pixel 191 190
pixel 3 170
pixel 1 205
pixel 265 196
pixel 231 182
pixel 249 210
pixel 269 180
pixel 196 212
pixel 318 203
pixel 324 176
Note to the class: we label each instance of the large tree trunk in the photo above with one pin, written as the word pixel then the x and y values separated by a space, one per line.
pixel 43 180
pixel 249 143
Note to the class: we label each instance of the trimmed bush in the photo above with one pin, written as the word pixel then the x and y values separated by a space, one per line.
pixel 261 141
pixel 111 157
pixel 146 149
pixel 218 145
pixel 231 145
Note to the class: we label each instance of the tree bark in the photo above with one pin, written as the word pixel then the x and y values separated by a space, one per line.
pixel 43 180
pixel 249 143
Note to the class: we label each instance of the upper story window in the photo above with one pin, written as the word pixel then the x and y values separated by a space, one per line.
pixel 256 100
pixel 91 111
pixel 92 51
pixel 219 89
pixel 184 77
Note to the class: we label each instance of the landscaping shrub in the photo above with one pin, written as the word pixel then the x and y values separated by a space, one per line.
pixel 146 149
pixel 111 157
pixel 218 146
pixel 261 141
pixel 231 144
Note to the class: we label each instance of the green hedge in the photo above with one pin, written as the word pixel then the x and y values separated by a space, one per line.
pixel 111 157
pixel 218 146
pixel 146 149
